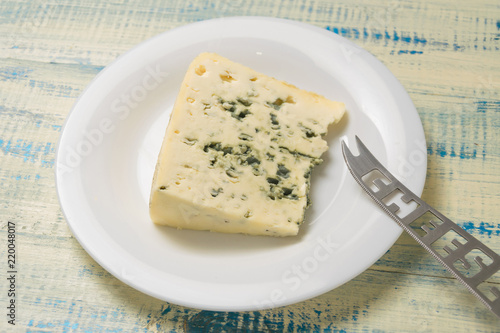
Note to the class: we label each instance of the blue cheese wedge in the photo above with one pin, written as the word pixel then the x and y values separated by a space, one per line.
pixel 238 151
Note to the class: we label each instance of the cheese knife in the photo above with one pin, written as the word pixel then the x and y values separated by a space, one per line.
pixel 464 256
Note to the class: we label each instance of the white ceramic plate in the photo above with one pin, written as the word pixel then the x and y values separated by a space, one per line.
pixel 109 146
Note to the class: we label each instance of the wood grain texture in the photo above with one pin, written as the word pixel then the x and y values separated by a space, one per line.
pixel 445 53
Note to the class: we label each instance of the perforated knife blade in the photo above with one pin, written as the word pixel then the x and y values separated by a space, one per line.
pixel 429 228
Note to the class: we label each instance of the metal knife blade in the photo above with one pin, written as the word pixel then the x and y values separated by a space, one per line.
pixel 464 256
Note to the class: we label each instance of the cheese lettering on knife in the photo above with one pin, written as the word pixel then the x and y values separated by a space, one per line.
pixel 238 151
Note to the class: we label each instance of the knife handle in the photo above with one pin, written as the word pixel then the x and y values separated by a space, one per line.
pixel 468 259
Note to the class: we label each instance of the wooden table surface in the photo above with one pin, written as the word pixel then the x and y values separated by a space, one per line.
pixel 446 55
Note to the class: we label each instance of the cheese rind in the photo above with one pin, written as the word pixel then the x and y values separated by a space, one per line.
pixel 238 151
